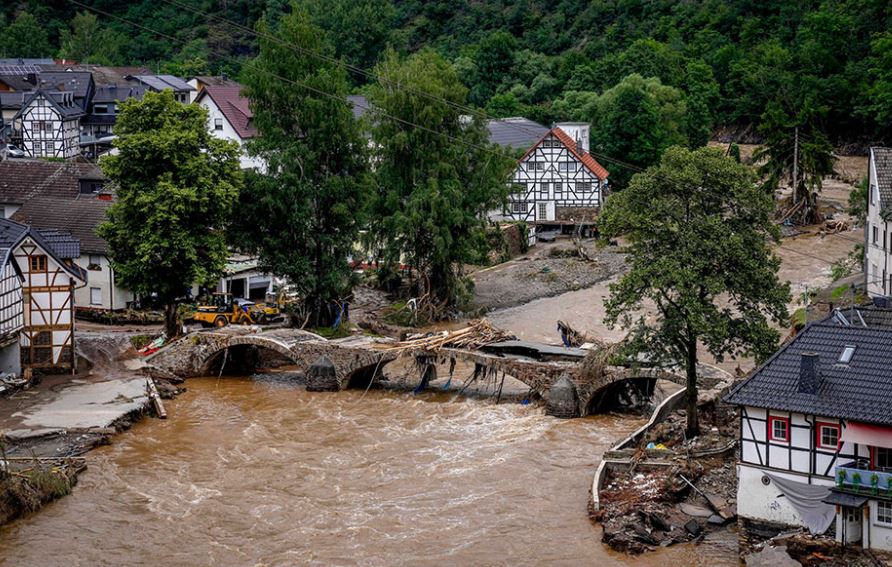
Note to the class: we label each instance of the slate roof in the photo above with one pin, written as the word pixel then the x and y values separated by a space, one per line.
pixel 24 179
pixel 863 317
pixel 234 107
pixel 117 93
pixel 50 198
pixel 161 82
pixel 882 163
pixel 13 100
pixel 57 244
pixel 102 74
pixel 518 133
pixel 859 391
pixel 65 109
pixel 78 83
pixel 215 81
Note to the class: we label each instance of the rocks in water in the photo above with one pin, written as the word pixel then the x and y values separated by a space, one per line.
pixel 694 510
pixel 563 400
pixel 693 528
pixel 322 376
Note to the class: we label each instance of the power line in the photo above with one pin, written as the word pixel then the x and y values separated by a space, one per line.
pixel 371 75
pixel 370 109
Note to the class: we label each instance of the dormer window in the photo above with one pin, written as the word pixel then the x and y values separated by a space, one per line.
pixel 90 186
pixel 847 353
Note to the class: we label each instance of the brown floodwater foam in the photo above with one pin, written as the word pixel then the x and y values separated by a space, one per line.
pixel 259 472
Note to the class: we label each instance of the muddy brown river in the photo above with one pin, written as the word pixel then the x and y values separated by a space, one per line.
pixel 261 473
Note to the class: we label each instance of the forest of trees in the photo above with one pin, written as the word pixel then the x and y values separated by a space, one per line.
pixel 825 65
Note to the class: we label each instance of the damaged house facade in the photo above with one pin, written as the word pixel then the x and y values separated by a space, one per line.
pixel 816 432
pixel 48 281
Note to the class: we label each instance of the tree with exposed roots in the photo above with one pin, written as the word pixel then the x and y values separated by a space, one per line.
pixel 698 229
pixel 175 188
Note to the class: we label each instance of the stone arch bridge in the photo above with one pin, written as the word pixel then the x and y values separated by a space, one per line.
pixel 557 377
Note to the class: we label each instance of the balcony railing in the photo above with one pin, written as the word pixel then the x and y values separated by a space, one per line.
pixel 859 477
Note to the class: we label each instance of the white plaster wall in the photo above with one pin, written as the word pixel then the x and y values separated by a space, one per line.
pixel 113 295
pixel 877 258
pixel 756 501
pixel 229 133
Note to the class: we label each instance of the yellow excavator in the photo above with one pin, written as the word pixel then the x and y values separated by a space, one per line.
pixel 223 309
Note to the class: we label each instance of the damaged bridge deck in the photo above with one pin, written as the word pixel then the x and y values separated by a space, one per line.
pixel 555 373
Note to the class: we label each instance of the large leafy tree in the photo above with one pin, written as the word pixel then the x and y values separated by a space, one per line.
pixel 360 29
pixel 779 155
pixel 635 121
pixel 176 185
pixel 699 231
pixel 434 184
pixel 88 42
pixel 303 215
pixel 25 37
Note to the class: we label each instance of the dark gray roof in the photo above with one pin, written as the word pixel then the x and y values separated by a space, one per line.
pixel 6 69
pixel 517 133
pixel 58 245
pixel 9 100
pixel 50 198
pixel 863 317
pixel 78 83
pixel 117 93
pixel 882 162
pixel 27 61
pixel 860 390
pixel 65 106
pixel 161 82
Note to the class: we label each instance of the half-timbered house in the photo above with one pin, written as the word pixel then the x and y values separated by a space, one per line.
pixel 11 313
pixel 49 279
pixel 816 432
pixel 557 182
pixel 48 125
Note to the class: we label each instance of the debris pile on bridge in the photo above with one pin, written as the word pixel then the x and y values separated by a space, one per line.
pixel 472 337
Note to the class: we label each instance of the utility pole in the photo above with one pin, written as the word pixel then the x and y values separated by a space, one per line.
pixel 795 164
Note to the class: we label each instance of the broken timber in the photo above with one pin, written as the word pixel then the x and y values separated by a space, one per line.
pixel 156 398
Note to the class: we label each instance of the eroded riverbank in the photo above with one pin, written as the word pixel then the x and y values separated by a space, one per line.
pixel 251 472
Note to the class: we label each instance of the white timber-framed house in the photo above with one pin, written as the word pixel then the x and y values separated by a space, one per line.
pixel 816 432
pixel 48 125
pixel 12 319
pixel 878 229
pixel 49 279
pixel 557 183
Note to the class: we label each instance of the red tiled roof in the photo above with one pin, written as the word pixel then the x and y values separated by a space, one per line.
pixel 586 158
pixel 234 107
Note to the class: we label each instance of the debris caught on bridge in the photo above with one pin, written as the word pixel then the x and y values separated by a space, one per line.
pixel 472 337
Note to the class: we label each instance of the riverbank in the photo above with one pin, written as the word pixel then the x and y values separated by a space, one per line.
pixel 47 426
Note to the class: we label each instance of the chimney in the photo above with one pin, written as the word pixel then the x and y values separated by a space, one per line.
pixel 579 131
pixel 810 373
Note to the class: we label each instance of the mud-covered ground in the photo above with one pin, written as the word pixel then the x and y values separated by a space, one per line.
pixel 548 269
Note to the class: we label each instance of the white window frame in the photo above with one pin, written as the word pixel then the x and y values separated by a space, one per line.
pixel 519 207
pixel 94 291
pixel 218 124
pixel 543 211
pixel 883 513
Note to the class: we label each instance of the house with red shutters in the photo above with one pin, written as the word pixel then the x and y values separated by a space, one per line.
pixel 816 432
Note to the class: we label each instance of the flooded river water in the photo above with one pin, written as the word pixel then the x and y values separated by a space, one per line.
pixel 259 472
